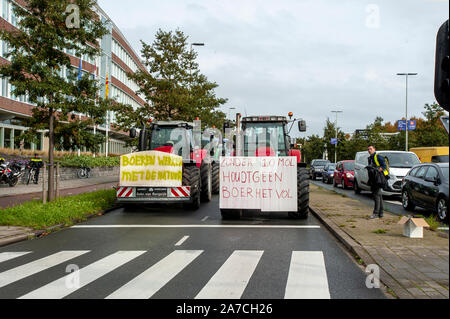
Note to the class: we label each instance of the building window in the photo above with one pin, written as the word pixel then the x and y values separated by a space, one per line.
pixel 7 138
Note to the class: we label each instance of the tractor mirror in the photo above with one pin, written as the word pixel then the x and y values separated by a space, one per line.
pixel 133 133
pixel 302 126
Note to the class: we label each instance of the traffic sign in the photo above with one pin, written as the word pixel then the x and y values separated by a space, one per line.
pixel 401 125
pixel 411 125
pixel 334 141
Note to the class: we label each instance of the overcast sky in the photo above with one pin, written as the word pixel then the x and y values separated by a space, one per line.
pixel 305 56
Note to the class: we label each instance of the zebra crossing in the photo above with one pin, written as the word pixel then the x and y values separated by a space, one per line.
pixel 307 274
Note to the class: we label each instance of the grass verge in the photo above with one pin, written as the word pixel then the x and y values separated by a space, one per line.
pixel 65 210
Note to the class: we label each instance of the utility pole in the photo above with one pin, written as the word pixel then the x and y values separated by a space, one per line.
pixel 337 141
pixel 406 75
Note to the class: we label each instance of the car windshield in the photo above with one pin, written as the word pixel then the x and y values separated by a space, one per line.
pixel 264 135
pixel 320 163
pixel 350 166
pixel 445 173
pixel 330 167
pixel 401 160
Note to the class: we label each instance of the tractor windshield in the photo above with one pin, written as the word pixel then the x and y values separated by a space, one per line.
pixel 169 136
pixel 270 135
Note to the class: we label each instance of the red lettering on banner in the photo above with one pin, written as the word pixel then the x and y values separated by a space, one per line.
pixel 225 192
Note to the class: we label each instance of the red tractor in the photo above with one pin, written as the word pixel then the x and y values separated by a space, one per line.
pixel 197 166
pixel 278 126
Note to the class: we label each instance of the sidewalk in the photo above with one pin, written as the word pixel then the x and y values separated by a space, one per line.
pixel 11 196
pixel 411 268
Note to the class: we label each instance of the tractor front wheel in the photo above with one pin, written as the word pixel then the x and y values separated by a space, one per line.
pixel 206 183
pixel 216 178
pixel 191 178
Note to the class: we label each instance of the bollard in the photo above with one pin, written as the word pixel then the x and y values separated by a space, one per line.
pixel 44 193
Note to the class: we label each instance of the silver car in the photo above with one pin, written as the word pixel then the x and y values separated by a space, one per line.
pixel 399 163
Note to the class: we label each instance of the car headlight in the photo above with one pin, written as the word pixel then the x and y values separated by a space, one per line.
pixel 349 175
pixel 332 175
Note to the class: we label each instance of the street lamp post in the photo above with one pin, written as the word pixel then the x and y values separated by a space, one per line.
pixel 336 123
pixel 190 68
pixel 406 75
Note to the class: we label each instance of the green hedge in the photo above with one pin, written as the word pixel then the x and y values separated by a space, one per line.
pixel 89 161
pixel 65 210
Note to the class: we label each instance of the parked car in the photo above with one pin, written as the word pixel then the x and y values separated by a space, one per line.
pixel 399 165
pixel 328 173
pixel 426 186
pixel 317 167
pixel 344 174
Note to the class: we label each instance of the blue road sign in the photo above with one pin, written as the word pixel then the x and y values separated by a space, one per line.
pixel 334 141
pixel 401 125
pixel 411 125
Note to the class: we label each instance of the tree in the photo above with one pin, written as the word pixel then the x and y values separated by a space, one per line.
pixel 173 85
pixel 431 132
pixel 37 59
pixel 312 148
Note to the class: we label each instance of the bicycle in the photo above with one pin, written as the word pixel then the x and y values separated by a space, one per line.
pixel 84 172
pixel 31 174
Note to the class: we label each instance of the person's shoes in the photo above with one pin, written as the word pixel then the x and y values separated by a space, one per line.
pixel 380 217
pixel 35 183
pixel 374 216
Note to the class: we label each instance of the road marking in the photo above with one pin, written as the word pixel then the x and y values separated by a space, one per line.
pixel 153 279
pixel 59 288
pixel 11 255
pixel 199 226
pixel 205 218
pixel 307 277
pixel 34 267
pixel 232 278
pixel 182 240
pixel 443 228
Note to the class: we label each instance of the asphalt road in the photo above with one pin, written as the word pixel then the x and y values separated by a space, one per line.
pixel 174 254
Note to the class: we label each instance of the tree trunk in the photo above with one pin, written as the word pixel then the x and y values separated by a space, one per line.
pixel 51 146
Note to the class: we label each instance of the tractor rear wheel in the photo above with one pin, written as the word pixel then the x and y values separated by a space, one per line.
pixel 215 178
pixel 302 195
pixel 191 178
pixel 206 183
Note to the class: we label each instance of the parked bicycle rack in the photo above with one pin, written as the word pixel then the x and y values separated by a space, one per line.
pixel 44 178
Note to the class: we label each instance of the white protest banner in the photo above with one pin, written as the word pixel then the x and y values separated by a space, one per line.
pixel 264 183
pixel 151 168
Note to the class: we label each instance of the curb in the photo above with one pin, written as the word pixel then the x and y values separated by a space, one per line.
pixel 358 251
pixel 38 233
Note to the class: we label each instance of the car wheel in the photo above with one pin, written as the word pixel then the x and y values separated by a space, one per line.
pixel 441 209
pixel 334 183
pixel 343 184
pixel 406 201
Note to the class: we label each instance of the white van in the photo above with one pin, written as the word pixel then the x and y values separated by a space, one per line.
pixel 399 165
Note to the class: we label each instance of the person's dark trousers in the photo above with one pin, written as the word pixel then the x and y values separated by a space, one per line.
pixel 36 176
pixel 378 199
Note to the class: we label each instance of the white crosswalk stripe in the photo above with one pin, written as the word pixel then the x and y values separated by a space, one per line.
pixel 37 266
pixel 153 279
pixel 66 285
pixel 231 279
pixel 11 255
pixel 307 276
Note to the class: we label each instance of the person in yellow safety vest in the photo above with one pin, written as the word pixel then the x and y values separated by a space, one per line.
pixel 36 162
pixel 378 162
pixel 2 160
